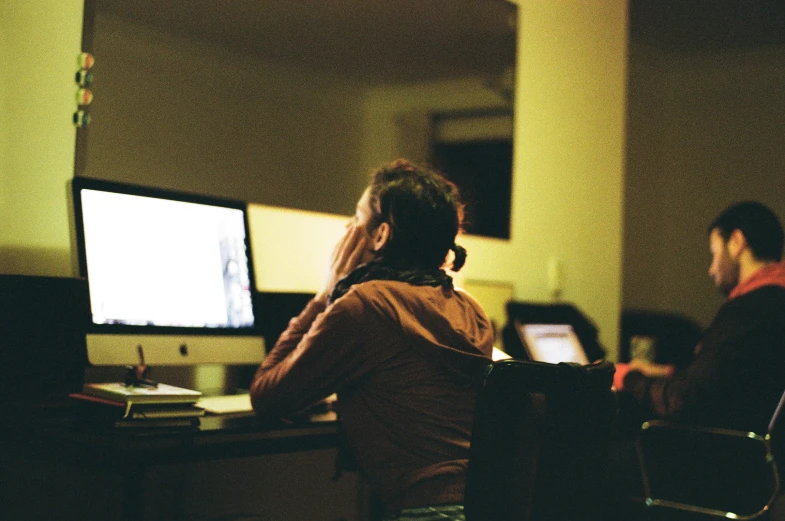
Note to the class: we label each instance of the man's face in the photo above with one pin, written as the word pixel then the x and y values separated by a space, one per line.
pixel 362 219
pixel 724 269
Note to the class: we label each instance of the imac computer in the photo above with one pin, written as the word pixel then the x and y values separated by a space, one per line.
pixel 169 276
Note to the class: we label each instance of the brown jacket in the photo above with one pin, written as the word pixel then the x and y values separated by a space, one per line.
pixel 405 362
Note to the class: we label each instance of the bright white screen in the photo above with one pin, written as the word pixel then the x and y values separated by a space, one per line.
pixel 162 262
pixel 552 343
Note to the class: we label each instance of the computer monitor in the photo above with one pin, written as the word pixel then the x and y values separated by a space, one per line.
pixel 551 343
pixel 169 276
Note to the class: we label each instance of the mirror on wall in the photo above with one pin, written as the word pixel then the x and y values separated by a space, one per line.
pixel 290 103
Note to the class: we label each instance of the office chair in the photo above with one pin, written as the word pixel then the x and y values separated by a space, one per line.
pixel 692 472
pixel 540 441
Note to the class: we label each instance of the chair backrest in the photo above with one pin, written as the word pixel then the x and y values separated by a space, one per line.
pixel 711 471
pixel 540 442
pixel 777 432
pixel 707 471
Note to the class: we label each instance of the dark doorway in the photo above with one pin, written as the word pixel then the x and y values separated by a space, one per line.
pixel 483 172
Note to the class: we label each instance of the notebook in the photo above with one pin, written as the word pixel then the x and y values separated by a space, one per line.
pixel 551 343
pixel 226 404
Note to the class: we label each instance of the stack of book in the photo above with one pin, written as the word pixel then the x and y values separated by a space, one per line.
pixel 122 405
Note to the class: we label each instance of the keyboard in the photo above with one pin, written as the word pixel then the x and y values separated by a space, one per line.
pixel 225 404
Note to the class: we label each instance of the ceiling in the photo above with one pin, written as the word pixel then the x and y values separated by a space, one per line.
pixel 389 41
pixel 371 40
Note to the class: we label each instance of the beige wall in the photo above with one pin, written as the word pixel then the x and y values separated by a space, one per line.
pixel 568 166
pixel 388 109
pixel 40 43
pixel 705 130
pixel 292 247
pixel 176 113
pixel 568 185
pixel 5 83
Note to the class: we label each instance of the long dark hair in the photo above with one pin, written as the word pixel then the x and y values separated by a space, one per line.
pixel 424 211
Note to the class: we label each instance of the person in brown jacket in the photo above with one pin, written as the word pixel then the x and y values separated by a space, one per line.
pixel 399 345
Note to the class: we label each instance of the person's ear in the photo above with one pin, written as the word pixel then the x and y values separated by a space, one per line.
pixel 736 243
pixel 380 236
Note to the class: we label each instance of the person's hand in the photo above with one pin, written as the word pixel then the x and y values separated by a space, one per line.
pixel 650 369
pixel 350 252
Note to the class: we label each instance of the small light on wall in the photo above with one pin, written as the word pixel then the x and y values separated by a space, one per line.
pixel 85 60
pixel 84 97
pixel 81 118
pixel 84 78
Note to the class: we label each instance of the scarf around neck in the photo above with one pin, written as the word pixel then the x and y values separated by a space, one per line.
pixel 379 270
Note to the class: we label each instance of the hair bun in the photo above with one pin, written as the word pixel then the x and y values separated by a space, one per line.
pixel 460 257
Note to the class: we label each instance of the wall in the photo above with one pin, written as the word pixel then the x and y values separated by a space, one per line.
pixel 705 130
pixel 40 43
pixel 5 86
pixel 569 145
pixel 292 247
pixel 260 131
pixel 568 165
pixel 385 108
pixel 181 114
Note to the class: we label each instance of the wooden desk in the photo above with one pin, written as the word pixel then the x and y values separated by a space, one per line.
pixel 130 453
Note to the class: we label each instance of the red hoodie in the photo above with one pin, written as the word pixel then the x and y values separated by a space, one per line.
pixel 771 275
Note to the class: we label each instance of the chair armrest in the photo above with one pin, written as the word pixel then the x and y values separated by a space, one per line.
pixel 717 472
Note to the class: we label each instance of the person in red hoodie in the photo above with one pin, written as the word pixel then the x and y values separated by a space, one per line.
pixel 738 374
pixel 399 345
